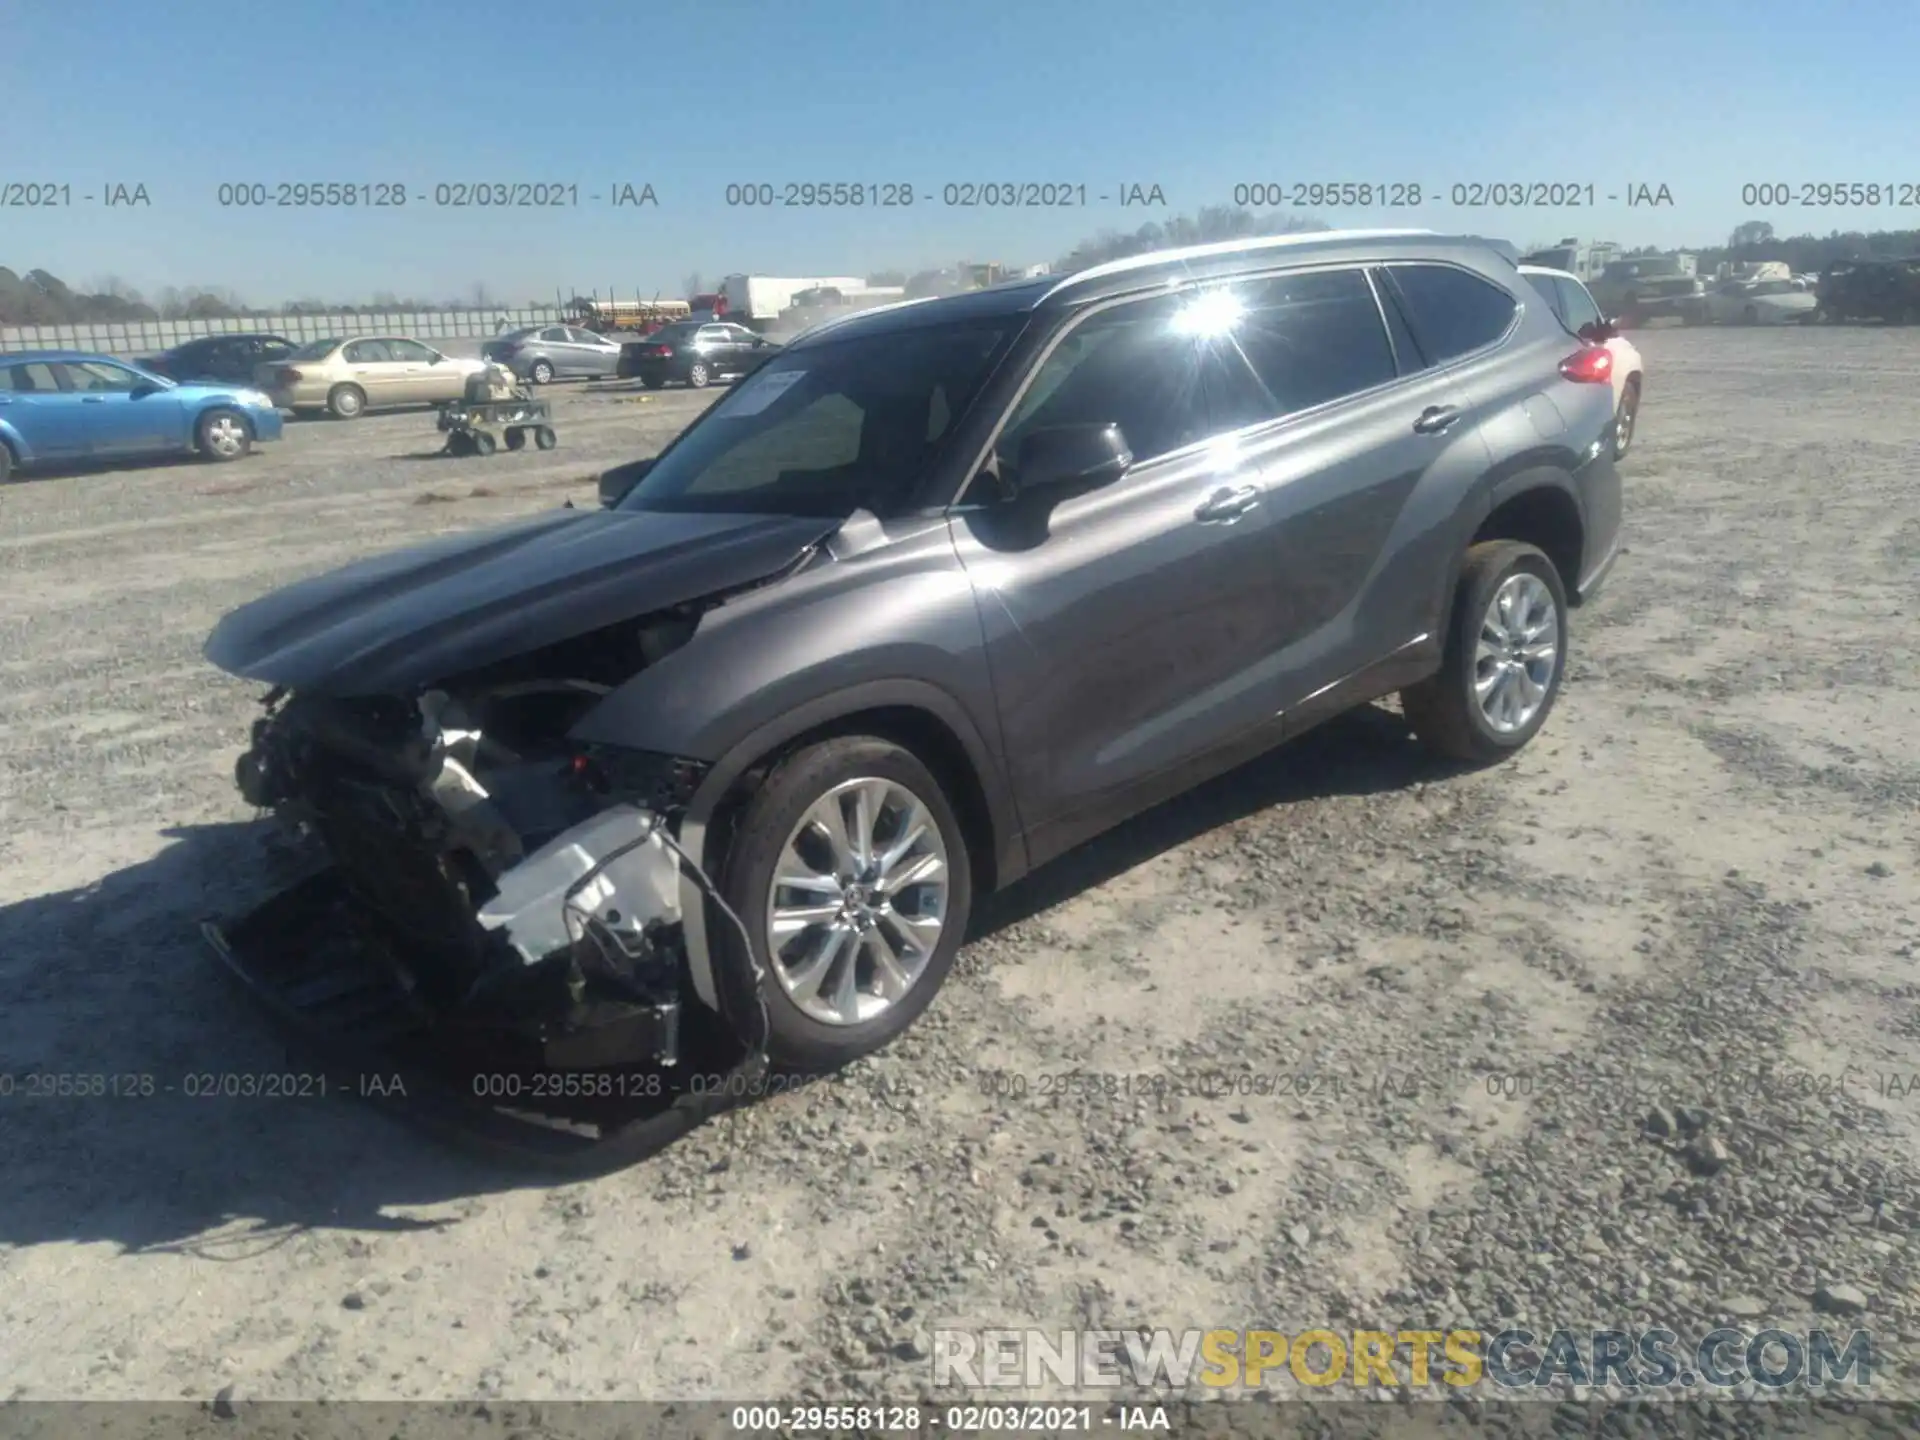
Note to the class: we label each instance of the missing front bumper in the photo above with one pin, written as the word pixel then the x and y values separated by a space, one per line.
pixel 575 1101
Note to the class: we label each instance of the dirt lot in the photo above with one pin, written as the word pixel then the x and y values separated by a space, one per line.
pixel 1689 907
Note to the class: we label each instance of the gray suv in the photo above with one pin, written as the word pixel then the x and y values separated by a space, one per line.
pixel 941 591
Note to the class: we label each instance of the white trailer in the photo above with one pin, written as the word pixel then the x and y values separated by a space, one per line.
pixel 763 297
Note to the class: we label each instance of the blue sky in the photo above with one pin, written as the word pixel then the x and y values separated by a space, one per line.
pixel 1196 97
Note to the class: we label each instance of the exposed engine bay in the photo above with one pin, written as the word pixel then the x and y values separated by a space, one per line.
pixel 508 879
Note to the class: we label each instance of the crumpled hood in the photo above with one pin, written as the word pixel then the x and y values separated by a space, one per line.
pixel 400 622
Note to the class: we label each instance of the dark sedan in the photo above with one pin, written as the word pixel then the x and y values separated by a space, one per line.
pixel 231 358
pixel 694 354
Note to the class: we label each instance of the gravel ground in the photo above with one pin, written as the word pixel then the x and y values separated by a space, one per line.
pixel 1618 1034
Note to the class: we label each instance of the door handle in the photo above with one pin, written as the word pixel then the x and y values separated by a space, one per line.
pixel 1228 505
pixel 92 399
pixel 1436 418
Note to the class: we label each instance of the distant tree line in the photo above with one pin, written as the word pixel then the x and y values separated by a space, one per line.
pixel 41 298
pixel 1756 240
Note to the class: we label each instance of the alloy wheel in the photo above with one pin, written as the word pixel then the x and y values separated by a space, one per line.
pixel 1516 654
pixel 858 901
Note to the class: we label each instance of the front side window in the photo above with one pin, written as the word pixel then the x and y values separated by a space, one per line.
pixel 368 352
pixel 101 378
pixel 1452 311
pixel 828 429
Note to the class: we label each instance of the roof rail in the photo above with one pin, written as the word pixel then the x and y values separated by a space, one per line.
pixel 1223 247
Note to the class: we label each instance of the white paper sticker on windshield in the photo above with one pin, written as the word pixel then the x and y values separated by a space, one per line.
pixel 762 390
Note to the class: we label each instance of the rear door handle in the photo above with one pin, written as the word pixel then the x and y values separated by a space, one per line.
pixel 92 399
pixel 1228 505
pixel 1436 418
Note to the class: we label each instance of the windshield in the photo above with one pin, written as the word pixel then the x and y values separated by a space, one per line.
pixel 314 350
pixel 828 429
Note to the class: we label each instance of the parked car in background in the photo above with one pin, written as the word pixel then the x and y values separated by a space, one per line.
pixel 1574 306
pixel 345 376
pixel 694 354
pixel 544 353
pixel 233 358
pixel 1761 302
pixel 67 406
pixel 1871 290
pixel 938 594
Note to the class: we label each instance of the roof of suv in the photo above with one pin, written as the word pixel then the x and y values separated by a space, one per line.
pixel 1144 272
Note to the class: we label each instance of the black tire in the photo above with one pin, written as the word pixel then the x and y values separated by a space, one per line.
pixel 346 402
pixel 544 437
pixel 1626 419
pixel 483 443
pixel 222 434
pixel 797 1040
pixel 698 376
pixel 459 442
pixel 653 382
pixel 6 464
pixel 1442 709
pixel 541 373
pixel 516 438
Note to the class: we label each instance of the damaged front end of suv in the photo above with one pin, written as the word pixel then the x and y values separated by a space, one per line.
pixel 507 877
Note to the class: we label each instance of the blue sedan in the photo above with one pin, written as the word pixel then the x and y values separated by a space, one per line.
pixel 67 407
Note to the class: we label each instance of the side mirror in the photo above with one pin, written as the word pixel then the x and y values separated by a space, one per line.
pixel 615 483
pixel 144 388
pixel 1079 456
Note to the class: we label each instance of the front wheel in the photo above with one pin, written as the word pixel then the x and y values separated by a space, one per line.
pixel 851 873
pixel 1505 655
pixel 222 435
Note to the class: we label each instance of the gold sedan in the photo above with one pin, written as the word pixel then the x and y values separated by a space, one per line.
pixel 349 375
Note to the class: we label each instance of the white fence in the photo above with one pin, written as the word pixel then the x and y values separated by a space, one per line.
pixel 150 337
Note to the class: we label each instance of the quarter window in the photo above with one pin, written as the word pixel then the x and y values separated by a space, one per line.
pixel 1576 306
pixel 1452 313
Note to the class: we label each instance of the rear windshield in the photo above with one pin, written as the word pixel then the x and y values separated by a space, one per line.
pixel 672 333
pixel 314 349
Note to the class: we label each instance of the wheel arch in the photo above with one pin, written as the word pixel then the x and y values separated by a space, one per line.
pixel 1537 505
pixel 914 714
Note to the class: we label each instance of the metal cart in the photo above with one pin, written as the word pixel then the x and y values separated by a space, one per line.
pixel 478 428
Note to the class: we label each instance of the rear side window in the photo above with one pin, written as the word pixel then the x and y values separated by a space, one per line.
pixel 1300 340
pixel 33 378
pixel 1451 311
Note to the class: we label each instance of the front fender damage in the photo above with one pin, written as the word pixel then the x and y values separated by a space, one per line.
pixel 513 884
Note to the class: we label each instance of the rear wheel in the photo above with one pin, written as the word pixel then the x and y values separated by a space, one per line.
pixel 459 442
pixel 6 463
pixel 851 874
pixel 1625 419
pixel 516 438
pixel 544 437
pixel 346 402
pixel 1505 655
pixel 699 377
pixel 222 435
pixel 653 382
pixel 541 373
pixel 483 443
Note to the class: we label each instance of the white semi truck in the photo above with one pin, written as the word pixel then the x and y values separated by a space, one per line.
pixel 759 299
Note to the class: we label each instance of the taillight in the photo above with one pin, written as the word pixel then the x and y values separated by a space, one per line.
pixel 287 377
pixel 1590 366
pixel 663 350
